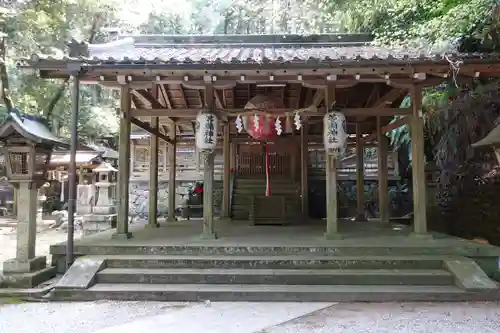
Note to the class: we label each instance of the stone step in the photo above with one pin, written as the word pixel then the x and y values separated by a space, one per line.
pixel 271 293
pixel 282 262
pixel 262 180
pixel 243 200
pixel 277 276
pixel 280 186
pixel 244 207
pixel 245 193
pixel 343 248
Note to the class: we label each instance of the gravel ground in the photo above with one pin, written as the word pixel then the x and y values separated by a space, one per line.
pixel 401 318
pixel 76 317
pixel 178 317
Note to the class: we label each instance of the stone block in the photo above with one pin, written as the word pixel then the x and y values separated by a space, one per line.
pixel 93 223
pixel 28 280
pixel 122 235
pixel 81 274
pixel 14 266
pixel 468 275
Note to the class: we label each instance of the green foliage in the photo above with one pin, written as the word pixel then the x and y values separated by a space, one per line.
pixel 43 27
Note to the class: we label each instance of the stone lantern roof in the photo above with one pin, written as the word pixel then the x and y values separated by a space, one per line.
pixel 29 127
pixel 105 167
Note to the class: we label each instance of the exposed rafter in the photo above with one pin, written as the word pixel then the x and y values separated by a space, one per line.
pixel 148 128
pixel 319 112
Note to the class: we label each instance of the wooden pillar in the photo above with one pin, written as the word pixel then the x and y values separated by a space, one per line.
pixel 332 223
pixel 234 152
pixel 165 157
pixel 360 175
pixel 418 164
pixel 304 163
pixel 124 165
pixel 208 175
pixel 14 200
pixel 132 156
pixel 172 160
pixel 153 177
pixel 226 180
pixel 383 190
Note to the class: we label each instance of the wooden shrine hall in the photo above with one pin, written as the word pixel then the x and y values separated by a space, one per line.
pixel 166 81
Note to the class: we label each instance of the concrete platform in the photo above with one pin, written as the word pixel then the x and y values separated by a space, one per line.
pixel 358 239
pixel 371 262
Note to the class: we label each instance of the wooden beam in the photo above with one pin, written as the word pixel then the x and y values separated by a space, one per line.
pixel 164 94
pixel 388 98
pixel 208 174
pixel 389 127
pixel 360 175
pixel 319 96
pixel 332 225
pixel 313 82
pixel 172 160
pixel 349 112
pixel 418 164
pixel 382 112
pixel 200 99
pixel 183 96
pixel 122 231
pixel 218 99
pixel 374 91
pixel 167 71
pixel 153 177
pixel 299 96
pixel 148 97
pixel 226 179
pixel 383 191
pixel 150 129
pixel 304 162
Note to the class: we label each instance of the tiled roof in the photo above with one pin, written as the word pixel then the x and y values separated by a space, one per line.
pixel 239 49
pixel 30 127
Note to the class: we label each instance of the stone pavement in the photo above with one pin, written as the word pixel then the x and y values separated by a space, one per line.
pixel 169 317
pixel 401 318
pixel 221 317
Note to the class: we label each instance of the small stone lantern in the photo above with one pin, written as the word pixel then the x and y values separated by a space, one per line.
pixel 103 216
pixel 105 184
pixel 27 147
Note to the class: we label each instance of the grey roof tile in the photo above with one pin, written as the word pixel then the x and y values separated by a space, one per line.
pixel 29 127
pixel 234 49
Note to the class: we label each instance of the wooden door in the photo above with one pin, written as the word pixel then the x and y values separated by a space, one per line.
pixel 251 163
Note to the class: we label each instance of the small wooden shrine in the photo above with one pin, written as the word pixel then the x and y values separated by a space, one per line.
pixel 266 101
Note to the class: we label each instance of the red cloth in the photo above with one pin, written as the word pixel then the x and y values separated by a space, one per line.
pixel 198 190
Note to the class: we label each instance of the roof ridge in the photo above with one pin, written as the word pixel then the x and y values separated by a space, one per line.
pixel 335 39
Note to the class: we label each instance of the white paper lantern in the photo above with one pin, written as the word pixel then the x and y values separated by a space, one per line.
pixel 334 133
pixel 206 131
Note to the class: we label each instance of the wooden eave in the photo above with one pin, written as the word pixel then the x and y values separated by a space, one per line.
pixel 175 92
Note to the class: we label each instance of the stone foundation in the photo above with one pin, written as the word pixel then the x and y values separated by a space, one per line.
pixel 139 196
pixel 26 274
pixel 93 224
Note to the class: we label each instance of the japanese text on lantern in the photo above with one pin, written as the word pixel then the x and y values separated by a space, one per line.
pixel 209 130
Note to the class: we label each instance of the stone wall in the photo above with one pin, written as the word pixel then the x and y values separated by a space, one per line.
pixel 139 196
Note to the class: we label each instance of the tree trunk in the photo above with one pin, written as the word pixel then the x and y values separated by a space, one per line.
pixel 3 68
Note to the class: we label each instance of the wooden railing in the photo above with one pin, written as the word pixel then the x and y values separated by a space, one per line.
pixel 251 165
